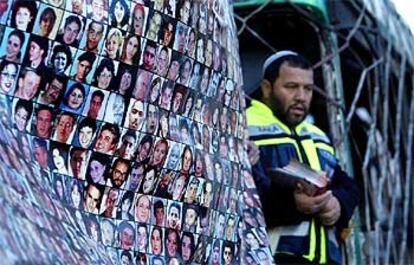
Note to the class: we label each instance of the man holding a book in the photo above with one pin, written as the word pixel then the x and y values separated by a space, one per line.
pixel 307 198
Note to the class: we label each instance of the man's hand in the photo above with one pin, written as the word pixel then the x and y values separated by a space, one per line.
pixel 330 214
pixel 253 152
pixel 310 204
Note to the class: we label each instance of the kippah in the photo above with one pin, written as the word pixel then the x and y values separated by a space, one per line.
pixel 272 58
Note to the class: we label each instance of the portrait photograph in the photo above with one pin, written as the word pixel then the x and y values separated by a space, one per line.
pixel 47 21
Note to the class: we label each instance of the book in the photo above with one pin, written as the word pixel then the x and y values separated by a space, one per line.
pixel 313 182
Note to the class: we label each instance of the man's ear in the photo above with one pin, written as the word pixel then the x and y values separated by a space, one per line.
pixel 266 88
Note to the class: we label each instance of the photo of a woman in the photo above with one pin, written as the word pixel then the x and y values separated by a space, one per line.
pixel 104 74
pixel 74 99
pixel 125 79
pixel 46 22
pixel 119 14
pixel 14 45
pixel 23 15
pixel 131 50
pixel 8 75
pixel 59 158
pixel 160 153
pixel 124 209
pixel 75 194
pixel 113 44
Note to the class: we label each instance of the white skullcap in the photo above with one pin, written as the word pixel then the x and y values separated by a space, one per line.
pixel 275 57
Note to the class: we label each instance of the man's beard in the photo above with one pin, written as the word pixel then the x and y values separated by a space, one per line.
pixel 283 115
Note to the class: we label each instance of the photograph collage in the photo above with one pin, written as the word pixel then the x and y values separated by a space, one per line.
pixel 129 115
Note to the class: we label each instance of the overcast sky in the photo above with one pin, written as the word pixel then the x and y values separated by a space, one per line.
pixel 406 9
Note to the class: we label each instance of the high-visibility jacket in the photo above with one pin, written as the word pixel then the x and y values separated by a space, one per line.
pixel 291 232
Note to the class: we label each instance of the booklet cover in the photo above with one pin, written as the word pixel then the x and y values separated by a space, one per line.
pixel 314 182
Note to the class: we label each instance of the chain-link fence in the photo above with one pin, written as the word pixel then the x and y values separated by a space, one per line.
pixel 363 60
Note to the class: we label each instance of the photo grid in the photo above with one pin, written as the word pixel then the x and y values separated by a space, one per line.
pixel 131 112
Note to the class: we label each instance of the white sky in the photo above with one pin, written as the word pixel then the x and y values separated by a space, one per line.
pixel 406 9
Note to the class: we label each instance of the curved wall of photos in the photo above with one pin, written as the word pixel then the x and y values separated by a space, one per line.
pixel 122 124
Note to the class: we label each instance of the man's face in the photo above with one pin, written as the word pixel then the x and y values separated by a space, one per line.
pixel 159 215
pixel 119 174
pixel 29 84
pixel 105 142
pixel 134 178
pixel 85 136
pixel 190 217
pixel 52 91
pixel 192 192
pixel 149 57
pixel 94 36
pixel 76 162
pixel 227 255
pixel 173 217
pixel 82 70
pixel 291 94
pixel 70 33
pixel 136 115
pixel 95 106
pixel 185 74
pixel 35 52
pixel 92 197
pixel 127 146
pixel 43 123
pixel 64 128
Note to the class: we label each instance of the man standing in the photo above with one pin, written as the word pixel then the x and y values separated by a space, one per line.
pixel 303 226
